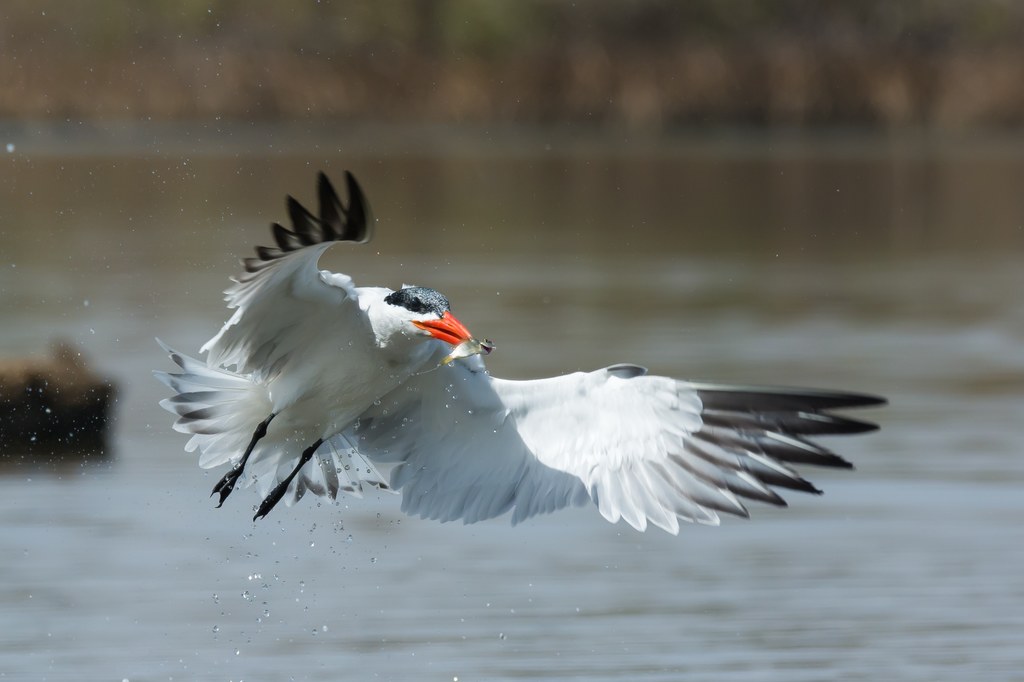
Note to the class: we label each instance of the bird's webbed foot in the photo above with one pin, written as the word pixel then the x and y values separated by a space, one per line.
pixel 227 484
pixel 279 490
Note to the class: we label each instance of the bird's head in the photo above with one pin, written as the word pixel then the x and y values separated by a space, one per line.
pixel 429 313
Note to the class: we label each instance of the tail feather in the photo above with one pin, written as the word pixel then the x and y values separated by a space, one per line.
pixel 336 468
pixel 221 410
pixel 218 407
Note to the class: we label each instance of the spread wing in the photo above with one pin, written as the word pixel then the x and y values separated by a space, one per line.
pixel 281 301
pixel 646 449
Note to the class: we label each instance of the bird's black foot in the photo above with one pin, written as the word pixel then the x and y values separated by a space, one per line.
pixel 279 490
pixel 272 499
pixel 226 484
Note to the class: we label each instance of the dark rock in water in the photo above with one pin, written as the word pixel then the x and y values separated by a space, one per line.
pixel 53 406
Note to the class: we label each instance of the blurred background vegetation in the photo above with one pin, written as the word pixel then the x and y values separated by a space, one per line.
pixel 643 65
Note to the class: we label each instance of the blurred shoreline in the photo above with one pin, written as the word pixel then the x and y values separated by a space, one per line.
pixel 353 139
pixel 645 67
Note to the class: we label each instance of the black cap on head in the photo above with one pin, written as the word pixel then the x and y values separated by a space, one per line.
pixel 419 300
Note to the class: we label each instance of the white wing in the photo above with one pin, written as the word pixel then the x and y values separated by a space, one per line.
pixel 643 448
pixel 282 302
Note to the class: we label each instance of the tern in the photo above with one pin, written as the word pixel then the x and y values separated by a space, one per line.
pixel 314 382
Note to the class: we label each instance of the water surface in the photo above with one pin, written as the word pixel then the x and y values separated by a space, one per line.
pixel 874 265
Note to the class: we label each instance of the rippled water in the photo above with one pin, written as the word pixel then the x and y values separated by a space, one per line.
pixel 869 265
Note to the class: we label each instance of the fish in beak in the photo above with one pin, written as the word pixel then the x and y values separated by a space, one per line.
pixel 450 330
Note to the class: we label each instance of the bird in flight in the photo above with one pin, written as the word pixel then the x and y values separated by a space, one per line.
pixel 314 382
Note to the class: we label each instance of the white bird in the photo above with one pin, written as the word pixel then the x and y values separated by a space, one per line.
pixel 313 381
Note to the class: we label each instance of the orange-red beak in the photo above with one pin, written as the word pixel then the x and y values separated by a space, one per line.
pixel 448 329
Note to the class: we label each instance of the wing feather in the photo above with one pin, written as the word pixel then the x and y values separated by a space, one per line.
pixel 644 449
pixel 282 302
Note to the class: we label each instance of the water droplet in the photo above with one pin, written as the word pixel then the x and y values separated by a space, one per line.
pixel 216 629
pixel 501 635
pixel 10 147
pixel 373 560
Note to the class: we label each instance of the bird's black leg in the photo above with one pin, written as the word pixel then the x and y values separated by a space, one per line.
pixel 227 484
pixel 278 492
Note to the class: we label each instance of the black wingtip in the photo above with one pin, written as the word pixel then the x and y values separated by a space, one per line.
pixel 870 400
pixel 351 222
pixel 359 218
pixel 764 398
pixel 336 222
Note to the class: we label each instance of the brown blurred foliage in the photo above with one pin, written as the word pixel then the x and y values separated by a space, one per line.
pixel 647 64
